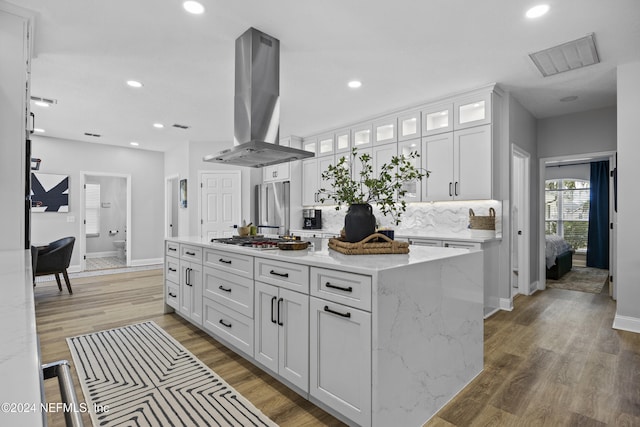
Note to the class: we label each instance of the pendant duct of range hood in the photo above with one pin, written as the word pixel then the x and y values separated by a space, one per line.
pixel 257 106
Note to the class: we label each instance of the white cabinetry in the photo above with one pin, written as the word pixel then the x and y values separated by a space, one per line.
pixel 361 136
pixel 409 126
pixel 191 283
pixel 437 119
pixel 413 188
pixel 385 130
pixel 282 333
pixel 461 165
pixel 312 179
pixel 472 111
pixel 172 275
pixel 343 141
pixel 281 171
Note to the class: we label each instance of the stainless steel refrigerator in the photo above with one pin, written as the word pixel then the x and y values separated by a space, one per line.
pixel 272 202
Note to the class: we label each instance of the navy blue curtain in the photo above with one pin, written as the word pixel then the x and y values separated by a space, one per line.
pixel 598 237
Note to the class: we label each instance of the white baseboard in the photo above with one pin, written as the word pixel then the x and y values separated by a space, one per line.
pixel 535 287
pixel 74 269
pixel 102 254
pixel 626 323
pixel 506 304
pixel 149 261
pixel 491 312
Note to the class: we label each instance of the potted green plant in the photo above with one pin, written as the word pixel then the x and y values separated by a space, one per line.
pixel 386 188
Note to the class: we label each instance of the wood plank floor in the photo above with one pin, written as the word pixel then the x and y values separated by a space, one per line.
pixel 553 361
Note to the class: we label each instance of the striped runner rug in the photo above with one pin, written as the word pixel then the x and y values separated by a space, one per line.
pixel 138 375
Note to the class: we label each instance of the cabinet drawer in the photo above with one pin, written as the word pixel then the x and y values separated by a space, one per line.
pixel 474 246
pixel 172 249
pixel 283 274
pixel 241 265
pixel 229 325
pixel 191 253
pixel 172 269
pixel 229 290
pixel 425 242
pixel 350 289
pixel 172 294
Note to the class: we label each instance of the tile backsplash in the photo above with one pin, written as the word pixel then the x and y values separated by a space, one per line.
pixel 423 218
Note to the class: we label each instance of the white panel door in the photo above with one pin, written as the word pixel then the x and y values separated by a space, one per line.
pixel 266 325
pixel 220 201
pixel 437 155
pixel 310 182
pixel 293 310
pixel 473 157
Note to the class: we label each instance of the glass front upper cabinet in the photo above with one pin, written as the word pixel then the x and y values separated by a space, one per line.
pixel 343 141
pixel 473 111
pixel 409 126
pixel 361 136
pixel 413 188
pixel 310 144
pixel 325 144
pixel 385 130
pixel 437 119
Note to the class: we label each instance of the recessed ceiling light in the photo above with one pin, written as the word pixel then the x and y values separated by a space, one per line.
pixel 354 84
pixel 134 83
pixel 135 144
pixel 158 125
pixel 38 130
pixel 537 11
pixel 569 98
pixel 42 104
pixel 193 7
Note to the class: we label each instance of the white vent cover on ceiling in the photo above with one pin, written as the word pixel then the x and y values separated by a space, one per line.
pixel 567 56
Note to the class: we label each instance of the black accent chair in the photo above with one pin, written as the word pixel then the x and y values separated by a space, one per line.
pixel 53 259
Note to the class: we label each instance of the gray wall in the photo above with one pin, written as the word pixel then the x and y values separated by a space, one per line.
pixel 587 132
pixel 147 193
pixel 113 191
pixel 627 277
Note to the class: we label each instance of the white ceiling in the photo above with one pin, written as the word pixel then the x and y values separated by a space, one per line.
pixel 406 52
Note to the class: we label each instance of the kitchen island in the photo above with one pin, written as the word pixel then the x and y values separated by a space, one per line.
pixel 374 339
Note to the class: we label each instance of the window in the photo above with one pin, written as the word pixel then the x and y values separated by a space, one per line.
pixel 567 210
pixel 92 209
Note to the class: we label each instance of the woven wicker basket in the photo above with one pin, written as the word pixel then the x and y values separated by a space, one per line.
pixel 367 247
pixel 482 222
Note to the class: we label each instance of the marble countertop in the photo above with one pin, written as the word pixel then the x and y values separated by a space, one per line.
pixel 19 357
pixel 321 256
pixel 464 236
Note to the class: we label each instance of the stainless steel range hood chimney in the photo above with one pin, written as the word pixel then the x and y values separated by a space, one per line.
pixel 257 106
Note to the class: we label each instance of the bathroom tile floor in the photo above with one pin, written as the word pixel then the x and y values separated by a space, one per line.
pixel 105 263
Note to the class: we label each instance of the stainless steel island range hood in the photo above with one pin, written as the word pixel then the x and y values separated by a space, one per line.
pixel 257 106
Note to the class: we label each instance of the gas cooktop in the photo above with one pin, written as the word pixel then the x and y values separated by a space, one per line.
pixel 254 242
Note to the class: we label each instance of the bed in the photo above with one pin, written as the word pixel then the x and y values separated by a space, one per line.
pixel 558 256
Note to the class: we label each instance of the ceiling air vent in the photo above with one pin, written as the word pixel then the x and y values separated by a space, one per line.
pixel 179 126
pixel 95 135
pixel 44 100
pixel 567 56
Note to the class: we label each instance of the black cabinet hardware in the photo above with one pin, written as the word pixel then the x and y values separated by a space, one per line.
pixel 275 273
pixel 172 269
pixel 456 189
pixel 450 192
pixel 190 253
pixel 173 249
pixel 222 288
pixel 273 320
pixel 279 321
pixel 340 288
pixel 225 324
pixel 328 310
pixel 172 295
pixel 226 261
pixel 188 279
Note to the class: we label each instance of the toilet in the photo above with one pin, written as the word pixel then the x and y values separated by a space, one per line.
pixel 121 247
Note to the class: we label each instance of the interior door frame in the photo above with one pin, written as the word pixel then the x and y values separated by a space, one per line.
pixel 83 226
pixel 168 199
pixel 524 252
pixel 542 268
pixel 201 173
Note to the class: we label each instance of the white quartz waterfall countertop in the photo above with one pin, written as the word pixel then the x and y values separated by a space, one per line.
pixel 463 236
pixel 20 394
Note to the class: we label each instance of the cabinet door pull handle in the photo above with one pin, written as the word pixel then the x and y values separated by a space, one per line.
pixel 328 310
pixel 172 269
pixel 172 295
pixel 280 321
pixel 273 320
pixel 450 191
pixel 275 273
pixel 226 261
pixel 223 323
pixel 347 289
pixel 456 189
pixel 190 253
pixel 222 288
pixel 188 277
pixel 173 249
pixel 446 245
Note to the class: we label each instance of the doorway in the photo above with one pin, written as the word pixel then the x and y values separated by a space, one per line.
pixel 105 221
pixel 220 203
pixel 172 202
pixel 571 175
pixel 520 221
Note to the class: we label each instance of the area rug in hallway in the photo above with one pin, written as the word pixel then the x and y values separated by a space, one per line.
pixel 144 377
pixel 584 279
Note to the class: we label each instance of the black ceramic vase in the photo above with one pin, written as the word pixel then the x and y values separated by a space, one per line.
pixel 359 222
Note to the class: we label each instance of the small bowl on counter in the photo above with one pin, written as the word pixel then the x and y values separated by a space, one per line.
pixel 293 245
